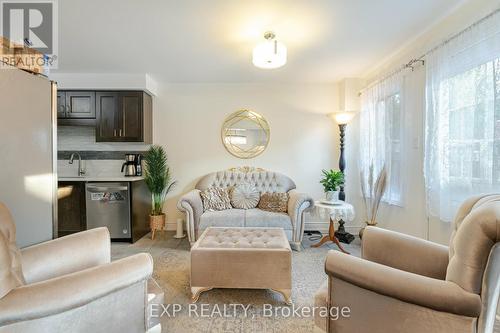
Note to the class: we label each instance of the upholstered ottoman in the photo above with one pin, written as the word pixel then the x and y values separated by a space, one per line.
pixel 253 258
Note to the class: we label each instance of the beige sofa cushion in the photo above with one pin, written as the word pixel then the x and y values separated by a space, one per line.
pixel 11 275
pixel 261 218
pixel 223 218
pixel 245 218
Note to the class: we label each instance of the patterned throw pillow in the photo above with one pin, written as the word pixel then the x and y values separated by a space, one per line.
pixel 244 196
pixel 274 202
pixel 215 198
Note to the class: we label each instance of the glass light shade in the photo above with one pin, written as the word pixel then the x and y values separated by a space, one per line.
pixel 269 54
pixel 343 118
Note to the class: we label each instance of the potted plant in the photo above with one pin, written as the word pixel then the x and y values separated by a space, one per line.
pixel 331 181
pixel 158 179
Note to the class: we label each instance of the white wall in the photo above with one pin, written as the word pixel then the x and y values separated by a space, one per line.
pixel 411 218
pixel 188 119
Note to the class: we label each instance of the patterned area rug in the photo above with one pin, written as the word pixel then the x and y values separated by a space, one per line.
pixel 231 310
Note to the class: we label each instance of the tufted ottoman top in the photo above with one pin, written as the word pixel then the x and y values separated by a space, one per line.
pixel 241 238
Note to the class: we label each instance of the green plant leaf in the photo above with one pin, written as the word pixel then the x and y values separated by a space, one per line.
pixel 157 177
pixel 331 180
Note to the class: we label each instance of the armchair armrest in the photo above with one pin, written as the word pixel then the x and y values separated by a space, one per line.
pixel 66 255
pixel 191 204
pixel 405 252
pixel 73 290
pixel 297 204
pixel 408 287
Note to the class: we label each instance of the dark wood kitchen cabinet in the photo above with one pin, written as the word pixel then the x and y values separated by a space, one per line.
pixel 124 116
pixel 76 104
pixel 71 214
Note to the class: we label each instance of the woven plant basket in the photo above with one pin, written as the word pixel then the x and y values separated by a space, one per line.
pixel 156 222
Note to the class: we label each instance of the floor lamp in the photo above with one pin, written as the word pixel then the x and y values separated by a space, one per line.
pixel 342 119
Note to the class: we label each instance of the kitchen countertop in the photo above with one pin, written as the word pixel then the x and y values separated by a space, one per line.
pixel 99 179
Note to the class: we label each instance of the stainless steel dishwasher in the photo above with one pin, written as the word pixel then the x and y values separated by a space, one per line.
pixel 108 205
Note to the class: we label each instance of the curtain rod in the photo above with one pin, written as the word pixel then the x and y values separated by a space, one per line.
pixel 420 59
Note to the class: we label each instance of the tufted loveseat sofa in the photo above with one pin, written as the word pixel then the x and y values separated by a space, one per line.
pixel 265 181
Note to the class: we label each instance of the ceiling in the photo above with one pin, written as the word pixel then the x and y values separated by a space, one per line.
pixel 212 40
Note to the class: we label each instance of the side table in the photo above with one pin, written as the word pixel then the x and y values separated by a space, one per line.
pixel 340 211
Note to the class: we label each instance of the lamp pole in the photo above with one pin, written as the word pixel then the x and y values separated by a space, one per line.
pixel 342 159
pixel 341 234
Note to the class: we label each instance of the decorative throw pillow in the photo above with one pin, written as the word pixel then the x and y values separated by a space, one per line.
pixel 215 198
pixel 244 196
pixel 274 202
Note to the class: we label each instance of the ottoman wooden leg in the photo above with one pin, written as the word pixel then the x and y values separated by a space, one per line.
pixel 196 292
pixel 287 295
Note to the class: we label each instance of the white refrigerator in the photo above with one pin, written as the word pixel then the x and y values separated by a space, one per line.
pixel 28 152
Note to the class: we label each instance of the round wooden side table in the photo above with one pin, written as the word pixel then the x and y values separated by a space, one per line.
pixel 339 211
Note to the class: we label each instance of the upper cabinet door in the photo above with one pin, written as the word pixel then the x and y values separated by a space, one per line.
pixel 108 116
pixel 131 112
pixel 61 104
pixel 80 104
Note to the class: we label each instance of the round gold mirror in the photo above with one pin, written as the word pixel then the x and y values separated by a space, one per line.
pixel 245 134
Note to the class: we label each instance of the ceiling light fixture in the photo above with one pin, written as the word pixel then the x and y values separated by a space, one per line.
pixel 269 54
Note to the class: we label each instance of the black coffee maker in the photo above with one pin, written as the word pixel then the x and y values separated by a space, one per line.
pixel 138 165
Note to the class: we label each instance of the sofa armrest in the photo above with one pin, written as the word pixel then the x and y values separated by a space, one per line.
pixel 297 204
pixel 405 252
pixel 408 287
pixel 66 255
pixel 74 290
pixel 191 204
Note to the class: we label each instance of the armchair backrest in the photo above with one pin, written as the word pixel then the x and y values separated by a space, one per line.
pixel 264 181
pixel 476 231
pixel 10 259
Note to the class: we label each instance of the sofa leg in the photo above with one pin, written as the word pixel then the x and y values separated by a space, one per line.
pixel 296 246
pixel 287 295
pixel 196 292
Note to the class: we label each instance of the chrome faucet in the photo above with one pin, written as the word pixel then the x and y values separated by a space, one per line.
pixel 81 171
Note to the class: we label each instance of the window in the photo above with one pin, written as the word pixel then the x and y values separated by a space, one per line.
pixel 381 134
pixel 462 141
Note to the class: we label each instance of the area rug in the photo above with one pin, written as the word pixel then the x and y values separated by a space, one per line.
pixel 231 310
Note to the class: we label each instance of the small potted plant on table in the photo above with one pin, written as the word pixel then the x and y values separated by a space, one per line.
pixel 331 181
pixel 158 179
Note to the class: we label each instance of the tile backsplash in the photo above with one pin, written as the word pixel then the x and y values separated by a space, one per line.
pixel 94 168
pixel 82 138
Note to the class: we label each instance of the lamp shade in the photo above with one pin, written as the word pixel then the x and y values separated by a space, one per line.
pixel 270 53
pixel 343 117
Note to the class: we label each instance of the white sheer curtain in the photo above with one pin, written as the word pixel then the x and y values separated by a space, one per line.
pixel 462 122
pixel 381 139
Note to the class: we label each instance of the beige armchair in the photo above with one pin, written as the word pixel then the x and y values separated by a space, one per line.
pixel 70 285
pixel 405 284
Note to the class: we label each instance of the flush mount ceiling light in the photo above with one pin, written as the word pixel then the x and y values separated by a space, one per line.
pixel 270 53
